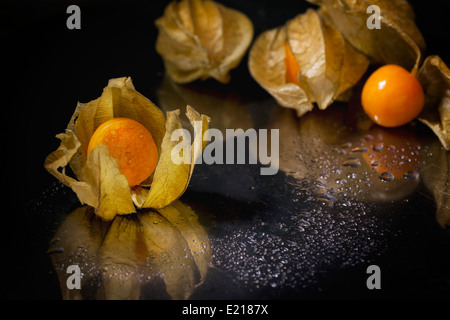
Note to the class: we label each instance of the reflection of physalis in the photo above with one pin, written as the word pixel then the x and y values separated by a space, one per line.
pixel 200 39
pixel 99 181
pixel 126 258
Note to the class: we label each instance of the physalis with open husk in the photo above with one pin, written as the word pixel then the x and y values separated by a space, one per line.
pixel 201 39
pixel 100 181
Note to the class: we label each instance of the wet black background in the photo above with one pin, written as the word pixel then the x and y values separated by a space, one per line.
pixel 48 68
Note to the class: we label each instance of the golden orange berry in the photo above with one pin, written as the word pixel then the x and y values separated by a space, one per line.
pixel 292 66
pixel 131 144
pixel 392 96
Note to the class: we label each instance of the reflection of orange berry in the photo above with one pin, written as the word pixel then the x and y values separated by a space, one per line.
pixel 392 96
pixel 392 150
pixel 292 66
pixel 131 144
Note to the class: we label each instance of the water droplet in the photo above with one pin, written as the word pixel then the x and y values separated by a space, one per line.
pixel 360 149
pixel 55 250
pixel 352 162
pixel 386 177
pixel 391 147
pixel 378 147
pixel 368 137
pixel 411 175
pixel 346 145
pixel 351 175
pixel 304 223
pixel 320 184
pixel 55 240
pixel 374 163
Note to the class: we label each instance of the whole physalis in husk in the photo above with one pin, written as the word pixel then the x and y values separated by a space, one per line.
pixel 119 149
pixel 306 61
pixel 201 39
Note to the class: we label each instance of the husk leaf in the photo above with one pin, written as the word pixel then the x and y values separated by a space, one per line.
pixel 436 177
pixel 170 179
pixel 434 77
pixel 398 41
pixel 109 185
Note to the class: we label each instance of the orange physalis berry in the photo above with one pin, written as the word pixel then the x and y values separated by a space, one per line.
pixel 392 96
pixel 131 144
pixel 292 66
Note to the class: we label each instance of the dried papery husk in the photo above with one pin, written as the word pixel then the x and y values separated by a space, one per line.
pixel 268 67
pixel 201 39
pixel 119 258
pixel 398 41
pixel 99 182
pixel 434 76
pixel 170 179
pixel 328 65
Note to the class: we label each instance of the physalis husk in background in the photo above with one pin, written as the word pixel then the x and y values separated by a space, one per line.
pixel 98 181
pixel 396 41
pixel 200 39
pixel 434 76
pixel 328 65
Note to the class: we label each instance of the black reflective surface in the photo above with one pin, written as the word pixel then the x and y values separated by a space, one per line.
pixel 310 231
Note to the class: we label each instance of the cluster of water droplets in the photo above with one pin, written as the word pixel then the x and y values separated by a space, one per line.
pixel 390 157
pixel 319 221
pixel 289 247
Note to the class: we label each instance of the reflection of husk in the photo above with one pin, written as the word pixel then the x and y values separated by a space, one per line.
pixel 118 258
pixel 77 242
pixel 434 77
pixel 436 177
pixel 329 66
pixel 321 133
pixel 226 109
pixel 398 41
pixel 201 39
pixel 99 182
